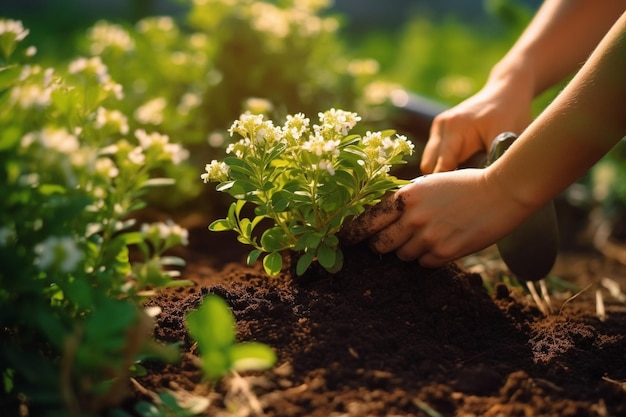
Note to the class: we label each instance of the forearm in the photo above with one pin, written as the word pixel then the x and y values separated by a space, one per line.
pixel 583 123
pixel 557 42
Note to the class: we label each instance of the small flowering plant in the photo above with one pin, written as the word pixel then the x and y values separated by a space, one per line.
pixel 306 179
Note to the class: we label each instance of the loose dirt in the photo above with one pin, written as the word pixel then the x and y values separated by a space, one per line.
pixel 389 338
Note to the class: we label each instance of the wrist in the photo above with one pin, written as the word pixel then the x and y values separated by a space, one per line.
pixel 516 74
pixel 514 187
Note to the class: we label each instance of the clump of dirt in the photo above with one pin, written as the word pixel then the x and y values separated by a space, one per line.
pixel 390 338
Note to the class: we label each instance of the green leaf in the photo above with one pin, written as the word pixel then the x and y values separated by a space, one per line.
pixel 351 140
pixel 331 241
pixel 300 244
pixel 280 200
pixel 146 409
pixel 9 75
pixel 273 239
pixel 312 240
pixel 132 238
pixel 275 151
pixel 336 267
pixel 10 137
pixel 253 256
pixel 387 133
pixel 326 256
pixel 179 283
pixel 225 186
pixel 172 261
pixel 80 293
pixel 49 189
pixel 159 182
pixel 216 362
pixel 346 179
pixel 239 166
pixel 252 356
pixel 304 262
pixel 273 263
pixel 212 325
pixel 245 226
pixel 353 153
pixel 220 225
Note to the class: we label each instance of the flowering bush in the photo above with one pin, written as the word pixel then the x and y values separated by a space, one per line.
pixel 189 79
pixel 72 174
pixel 306 179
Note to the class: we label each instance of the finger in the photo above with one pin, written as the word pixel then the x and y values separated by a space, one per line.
pixel 429 260
pixel 372 220
pixel 390 238
pixel 445 162
pixel 432 149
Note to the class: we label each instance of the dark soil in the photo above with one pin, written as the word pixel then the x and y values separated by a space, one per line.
pixel 388 338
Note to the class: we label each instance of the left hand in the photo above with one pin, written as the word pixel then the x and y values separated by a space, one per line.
pixel 439 218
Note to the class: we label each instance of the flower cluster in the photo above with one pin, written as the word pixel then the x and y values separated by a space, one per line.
pixel 104 35
pixel 306 178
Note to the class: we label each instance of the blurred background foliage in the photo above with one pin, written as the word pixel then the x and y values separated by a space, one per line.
pixel 200 62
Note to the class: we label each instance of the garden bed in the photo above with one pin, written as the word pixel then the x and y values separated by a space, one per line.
pixel 385 338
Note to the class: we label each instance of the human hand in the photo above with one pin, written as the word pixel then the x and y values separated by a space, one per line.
pixel 439 218
pixel 460 132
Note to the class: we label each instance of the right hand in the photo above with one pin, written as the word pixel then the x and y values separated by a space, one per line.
pixel 470 127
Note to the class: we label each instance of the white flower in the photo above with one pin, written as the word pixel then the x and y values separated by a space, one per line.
pixel 93 65
pixel 319 146
pixel 176 153
pixel 326 165
pixel 363 67
pixel 247 125
pixel 104 35
pixel 215 171
pixel 61 252
pixel 53 138
pixel 258 105
pixel 148 140
pixel 13 28
pixel 188 102
pixel 106 167
pixel 198 40
pixel 162 23
pixel 31 96
pixel 31 51
pixel 113 118
pixel 338 120
pixel 151 112
pixel 267 18
pixel 296 125
pixel 136 156
pixel 168 231
pixel 109 150
pixel 160 142
pixel 6 234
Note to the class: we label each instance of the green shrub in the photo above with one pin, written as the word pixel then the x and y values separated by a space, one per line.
pixel 191 77
pixel 72 175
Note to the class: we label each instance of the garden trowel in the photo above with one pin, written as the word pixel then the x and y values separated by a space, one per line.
pixel 529 251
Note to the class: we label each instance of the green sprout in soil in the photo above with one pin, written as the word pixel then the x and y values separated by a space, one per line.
pixel 212 326
pixel 307 180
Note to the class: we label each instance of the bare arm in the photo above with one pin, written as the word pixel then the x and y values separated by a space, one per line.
pixel 558 41
pixel 555 44
pixel 584 122
pixel 445 216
